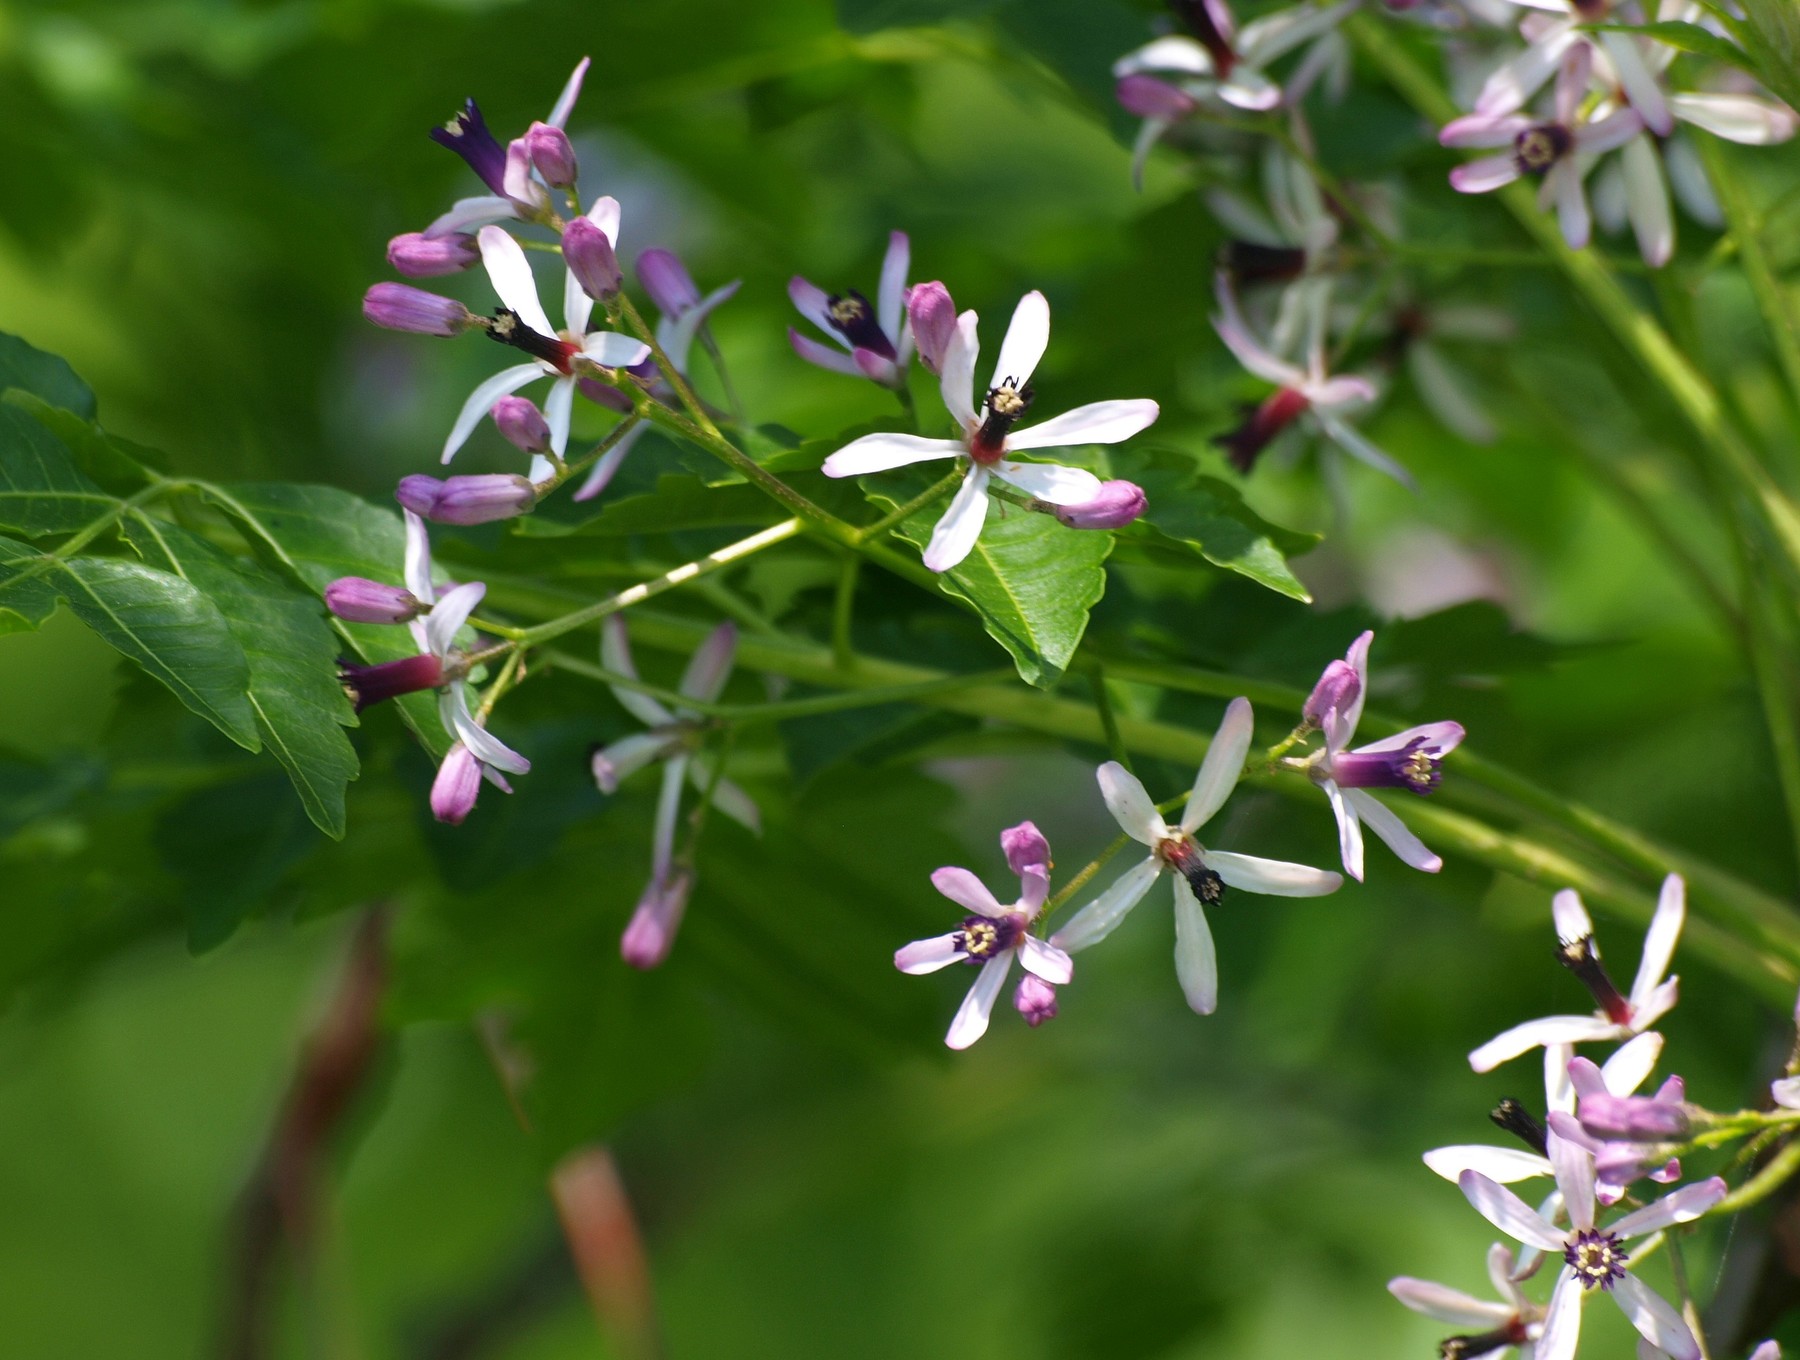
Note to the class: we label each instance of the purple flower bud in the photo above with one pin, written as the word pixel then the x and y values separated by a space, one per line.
pixel 1035 999
pixel 1025 847
pixel 1634 1119
pixel 667 281
pixel 1147 97
pixel 933 317
pixel 368 685
pixel 590 258
pixel 467 135
pixel 458 782
pixel 1337 688
pixel 1115 505
pixel 361 600
pixel 466 500
pixel 401 308
pixel 651 931
pixel 551 154
pixel 422 257
pixel 524 426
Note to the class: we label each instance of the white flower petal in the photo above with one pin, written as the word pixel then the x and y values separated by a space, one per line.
pixel 1026 339
pixel 510 273
pixel 1660 939
pixel 482 399
pixel 559 410
pixel 1510 88
pixel 957 381
pixel 1265 39
pixel 1647 201
pixel 1149 133
pixel 971 1020
pixel 1507 1212
pixel 1735 117
pixel 1570 917
pixel 1386 823
pixel 818 353
pixel 601 475
pixel 615 655
pixel 616 350
pixel 1785 1092
pixel 1643 90
pixel 1276 877
pixel 1350 837
pixel 1574 1166
pixel 1448 1305
pixel 1099 422
pixel 1445 391
pixel 1484 174
pixel 668 808
pixel 966 890
pixel 1196 960
pixel 578 307
pixel 1239 339
pixel 418 559
pixel 1358 658
pixel 1050 481
pixel 1048 961
pixel 451 611
pixel 1099 918
pixel 1353 442
pixel 1653 1316
pixel 813 303
pixel 1223 765
pixel 890 295
pixel 617 761
pixel 730 799
pixel 1562 1317
pixel 482 744
pixel 571 91
pixel 710 666
pixel 927 956
pixel 1177 52
pixel 472 212
pixel 1554 1029
pixel 1502 1164
pixel 1631 1064
pixel 882 452
pixel 1131 806
pixel 1681 1206
pixel 959 528
pixel 606 214
pixel 1248 88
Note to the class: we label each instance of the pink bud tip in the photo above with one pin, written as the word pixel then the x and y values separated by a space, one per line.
pixel 524 426
pixel 361 600
pixel 1025 847
pixel 1113 507
pixel 1035 999
pixel 933 317
pixel 466 500
pixel 458 782
pixel 667 281
pixel 590 258
pixel 1337 688
pixel 422 257
pixel 401 308
pixel 650 934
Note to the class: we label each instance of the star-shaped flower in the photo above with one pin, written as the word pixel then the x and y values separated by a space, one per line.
pixel 874 340
pixel 1513 1321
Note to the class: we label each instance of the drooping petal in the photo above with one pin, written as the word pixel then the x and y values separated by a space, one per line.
pixel 927 956
pixel 1248 88
pixel 1680 1206
pixel 1504 1165
pixel 1448 1305
pixel 510 273
pixel 1735 117
pixel 1642 89
pixel 1026 339
pixel 1647 201
pixel 1049 962
pixel 615 655
pixel 1660 939
pixel 676 335
pixel 959 528
pixel 1131 806
pixel 1223 764
pixel 668 807
pixel 1353 442
pixel 1177 52
pixel 1149 132
pixel 453 711
pixel 1349 824
pixel 450 613
pixel 1099 422
pixel 966 890
pixel 472 212
pixel 1654 1317
pixel 1050 481
pixel 1386 823
pixel 1562 1318
pixel 1239 339
pixel 617 761
pixel 818 353
pixel 957 382
pixel 418 559
pixel 1554 1029
pixel 1444 389
pixel 710 666
pixel 729 798
pixel 882 452
pixel 571 91
pixel 1510 87
pixel 1196 960
pixel 890 294
pixel 1507 1212
pixel 602 473
pixel 971 1020
pixel 482 399
pixel 559 410
pixel 1631 1064
pixel 1098 919
pixel 1484 174
pixel 1276 877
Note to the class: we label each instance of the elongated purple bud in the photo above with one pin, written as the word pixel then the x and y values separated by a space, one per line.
pixel 667 281
pixel 524 426
pixel 368 685
pixel 423 257
pixel 591 260
pixel 361 600
pixel 466 500
pixel 402 308
pixel 1113 507
pixel 1337 688
pixel 458 783
pixel 933 317
pixel 1035 999
pixel 1147 97
pixel 467 135
pixel 651 932
pixel 1634 1119
pixel 1025 846
pixel 551 155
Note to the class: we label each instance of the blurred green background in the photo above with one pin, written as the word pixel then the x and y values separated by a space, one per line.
pixel 196 194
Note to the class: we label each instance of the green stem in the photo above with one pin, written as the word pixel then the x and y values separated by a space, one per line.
pixel 935 492
pixel 671 375
pixel 717 356
pixel 843 612
pixel 1776 1173
pixel 1082 879
pixel 1109 722
pixel 1746 226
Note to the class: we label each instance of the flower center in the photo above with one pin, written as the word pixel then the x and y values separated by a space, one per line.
pixel 1596 1258
pixel 1414 766
pixel 1538 148
pixel 1184 857
pixel 508 329
pixel 1004 404
pixel 1512 1116
pixel 982 937
pixel 1512 1333
pixel 1582 958
pixel 853 318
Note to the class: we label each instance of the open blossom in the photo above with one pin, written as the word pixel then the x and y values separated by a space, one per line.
pixel 1292 243
pixel 1308 393
pixel 992 936
pixel 434 621
pixel 1513 1320
pixel 1619 1017
pixel 1199 875
pixel 1408 760
pixel 1552 43
pixel 1627 1135
pixel 673 737
pixel 988 435
pixel 522 323
pixel 873 339
pixel 1594 1257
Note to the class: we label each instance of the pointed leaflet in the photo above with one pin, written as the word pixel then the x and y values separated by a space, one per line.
pixel 300 708
pixel 1190 513
pixel 43 375
pixel 41 489
pixel 1030 580
pixel 158 620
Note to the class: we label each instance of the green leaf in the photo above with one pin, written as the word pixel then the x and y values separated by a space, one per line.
pixel 300 708
pixel 679 502
pixel 116 464
pixel 1208 516
pixel 44 375
pixel 41 489
pixel 1031 581
pixel 156 619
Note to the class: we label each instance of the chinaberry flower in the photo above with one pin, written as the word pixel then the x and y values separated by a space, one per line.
pixel 1594 1257
pixel 683 311
pixel 931 317
pixel 422 257
pixel 988 433
pixel 467 500
pixel 399 307
pixel 1199 875
pixel 1627 1135
pixel 1115 504
pixel 1619 1017
pixel 1409 760
pixel 873 339
pixel 522 324
pixel 1291 244
pixel 522 424
pixel 673 736
pixel 1303 393
pixel 1213 62
pixel 1493 1328
pixel 992 935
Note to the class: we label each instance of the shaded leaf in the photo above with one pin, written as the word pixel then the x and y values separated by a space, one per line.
pixel 44 375
pixel 41 489
pixel 1208 516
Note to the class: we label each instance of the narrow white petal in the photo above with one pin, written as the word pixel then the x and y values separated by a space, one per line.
pixel 1682 1206
pixel 1562 1318
pixel 615 655
pixel 1437 737
pixel 1507 1212
pixel 1248 88
pixel 1196 960
pixel 578 307
pixel 927 956
pixel 1570 917
pixel 1574 1166
pixel 1501 1164
pixel 1386 823
pixel 966 890
pixel 1660 939
pixel 823 356
pixel 1176 53
pixel 668 806
pixel 1267 38
pixel 1445 1304
pixel 1631 1064
pixel 1050 481
pixel 510 273
pixel 601 475
pixel 1353 442
pixel 1350 837
pixel 1099 422
pixel 482 399
pixel 882 452
pixel 957 381
pixel 482 744
pixel 615 349
pixel 1026 339
pixel 449 614
pixel 1098 919
pixel 571 91
pixel 605 214
pixel 731 799
pixel 971 1020
pixel 1275 877
pixel 1131 806
pixel 1642 89
pixel 418 559
pixel 559 410
pixel 1358 657
pixel 1444 389
pixel 890 295
pixel 1484 174
pixel 1654 1316
pixel 1149 132
pixel 1239 339
pixel 1647 201
pixel 1048 961
pixel 1510 88
pixel 710 666
pixel 472 212
pixel 1735 117
pixel 617 761
pixel 1554 1029
pixel 1220 770
pixel 956 533
pixel 813 303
